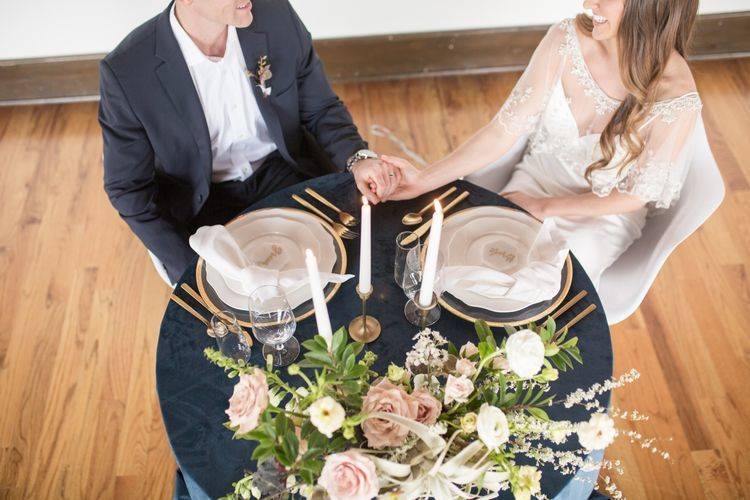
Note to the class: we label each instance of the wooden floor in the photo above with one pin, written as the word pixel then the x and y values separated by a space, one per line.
pixel 80 305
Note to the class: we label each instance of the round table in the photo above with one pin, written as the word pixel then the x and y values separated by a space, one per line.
pixel 193 393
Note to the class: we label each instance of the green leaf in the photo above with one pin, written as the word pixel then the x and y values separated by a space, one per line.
pixel 349 363
pixel 321 357
pixel 575 353
pixel 485 333
pixel 550 324
pixel 339 342
pixel 510 330
pixel 551 350
pixel 307 476
pixel 351 387
pixel 321 343
pixel 452 349
pixel 262 452
pixel 311 345
pixel 538 413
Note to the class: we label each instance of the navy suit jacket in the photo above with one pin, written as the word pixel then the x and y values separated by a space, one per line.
pixel 157 150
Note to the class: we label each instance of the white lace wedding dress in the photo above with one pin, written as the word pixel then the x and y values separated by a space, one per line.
pixel 563 110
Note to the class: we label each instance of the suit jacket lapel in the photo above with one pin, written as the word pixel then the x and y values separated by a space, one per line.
pixel 254 46
pixel 175 77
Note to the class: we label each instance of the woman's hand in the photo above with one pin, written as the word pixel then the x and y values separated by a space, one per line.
pixel 410 183
pixel 535 206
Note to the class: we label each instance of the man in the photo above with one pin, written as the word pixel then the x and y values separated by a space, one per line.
pixel 204 110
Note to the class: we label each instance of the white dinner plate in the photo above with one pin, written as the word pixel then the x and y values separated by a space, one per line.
pixel 275 239
pixel 494 237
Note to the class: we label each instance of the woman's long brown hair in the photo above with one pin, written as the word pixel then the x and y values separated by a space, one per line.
pixel 648 32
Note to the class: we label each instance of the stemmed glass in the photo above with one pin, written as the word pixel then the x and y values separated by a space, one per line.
pixel 274 324
pixel 412 282
pixel 229 336
pixel 402 250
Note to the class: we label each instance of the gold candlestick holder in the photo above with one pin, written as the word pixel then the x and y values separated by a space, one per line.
pixel 421 316
pixel 364 328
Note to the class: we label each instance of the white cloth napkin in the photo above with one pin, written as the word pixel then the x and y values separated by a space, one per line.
pixel 220 250
pixel 537 281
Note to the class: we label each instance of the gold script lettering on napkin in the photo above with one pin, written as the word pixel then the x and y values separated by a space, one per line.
pixel 535 281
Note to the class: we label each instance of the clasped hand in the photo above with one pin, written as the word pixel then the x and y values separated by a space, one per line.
pixel 387 178
pixel 393 178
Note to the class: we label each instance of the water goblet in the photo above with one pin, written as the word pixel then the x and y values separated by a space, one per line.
pixel 414 312
pixel 402 251
pixel 274 324
pixel 229 336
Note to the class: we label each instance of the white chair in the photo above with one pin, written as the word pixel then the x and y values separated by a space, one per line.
pixel 161 270
pixel 624 285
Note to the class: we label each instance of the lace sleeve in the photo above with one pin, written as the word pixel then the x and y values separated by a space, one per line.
pixel 521 111
pixel 657 175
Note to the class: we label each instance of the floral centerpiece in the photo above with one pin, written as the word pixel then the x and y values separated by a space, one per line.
pixel 450 423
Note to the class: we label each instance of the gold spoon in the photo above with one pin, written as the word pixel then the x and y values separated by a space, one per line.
pixel 346 218
pixel 412 219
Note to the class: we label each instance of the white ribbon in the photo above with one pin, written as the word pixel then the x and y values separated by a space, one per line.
pixel 433 476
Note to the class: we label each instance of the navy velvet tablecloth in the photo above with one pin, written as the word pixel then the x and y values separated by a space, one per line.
pixel 193 393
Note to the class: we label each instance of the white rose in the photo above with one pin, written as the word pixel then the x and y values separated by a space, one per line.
pixel 458 389
pixel 527 482
pixel 598 432
pixel 327 415
pixel 525 351
pixel 466 367
pixel 492 426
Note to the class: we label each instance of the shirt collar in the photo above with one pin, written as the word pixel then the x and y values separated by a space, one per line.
pixel 191 52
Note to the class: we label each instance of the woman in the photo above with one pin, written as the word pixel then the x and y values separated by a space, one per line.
pixel 609 105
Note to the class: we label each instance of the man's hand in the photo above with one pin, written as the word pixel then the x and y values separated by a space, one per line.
pixel 376 179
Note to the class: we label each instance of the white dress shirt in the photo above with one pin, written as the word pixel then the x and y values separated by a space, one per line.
pixel 240 140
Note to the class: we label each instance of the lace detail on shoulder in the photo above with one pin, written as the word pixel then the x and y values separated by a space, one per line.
pixel 603 104
pixel 517 123
pixel 670 109
pixel 655 182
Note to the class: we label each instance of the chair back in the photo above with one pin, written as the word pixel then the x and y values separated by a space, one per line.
pixel 624 285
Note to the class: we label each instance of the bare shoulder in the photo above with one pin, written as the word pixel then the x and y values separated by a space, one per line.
pixel 677 79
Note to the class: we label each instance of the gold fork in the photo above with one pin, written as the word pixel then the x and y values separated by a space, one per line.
pixel 340 229
pixel 346 218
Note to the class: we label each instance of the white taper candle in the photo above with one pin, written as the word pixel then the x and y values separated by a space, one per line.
pixel 430 265
pixel 319 301
pixel 365 249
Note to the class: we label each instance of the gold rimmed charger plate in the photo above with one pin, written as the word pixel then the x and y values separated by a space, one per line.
pixel 523 316
pixel 304 310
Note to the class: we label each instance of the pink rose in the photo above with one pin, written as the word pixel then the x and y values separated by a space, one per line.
pixel 468 350
pixel 249 400
pixel 387 398
pixel 466 367
pixel 458 389
pixel 349 476
pixel 429 408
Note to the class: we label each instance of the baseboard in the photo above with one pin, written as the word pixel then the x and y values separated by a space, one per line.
pixel 387 57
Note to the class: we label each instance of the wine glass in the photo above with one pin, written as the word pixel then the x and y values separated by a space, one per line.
pixel 274 324
pixel 412 283
pixel 229 336
pixel 402 251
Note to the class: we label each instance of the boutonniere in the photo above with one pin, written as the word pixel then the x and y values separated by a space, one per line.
pixel 262 75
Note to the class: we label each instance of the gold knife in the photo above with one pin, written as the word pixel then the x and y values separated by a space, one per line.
pixel 421 230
